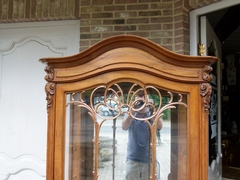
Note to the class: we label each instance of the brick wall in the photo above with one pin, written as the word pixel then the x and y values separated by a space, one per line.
pixel 101 19
pixel 165 22
pixel 181 22
pixel 38 10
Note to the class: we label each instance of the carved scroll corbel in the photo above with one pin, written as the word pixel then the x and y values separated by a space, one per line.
pixel 206 88
pixel 50 73
pixel 50 86
pixel 50 91
pixel 206 91
pixel 206 73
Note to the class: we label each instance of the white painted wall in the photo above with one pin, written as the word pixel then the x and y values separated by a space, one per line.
pixel 23 116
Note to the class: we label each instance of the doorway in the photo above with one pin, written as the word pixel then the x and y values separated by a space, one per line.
pixel 223 18
pixel 23 116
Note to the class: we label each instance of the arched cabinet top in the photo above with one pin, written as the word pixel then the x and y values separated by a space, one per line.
pixel 129 53
pixel 114 70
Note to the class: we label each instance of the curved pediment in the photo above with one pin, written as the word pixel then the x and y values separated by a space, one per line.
pixel 127 53
pixel 83 90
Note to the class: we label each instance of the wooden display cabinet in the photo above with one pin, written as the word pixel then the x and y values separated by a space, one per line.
pixel 107 75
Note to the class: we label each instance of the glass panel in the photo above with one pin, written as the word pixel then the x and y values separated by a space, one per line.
pixel 178 140
pixel 111 130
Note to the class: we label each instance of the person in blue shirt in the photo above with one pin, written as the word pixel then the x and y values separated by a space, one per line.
pixel 137 160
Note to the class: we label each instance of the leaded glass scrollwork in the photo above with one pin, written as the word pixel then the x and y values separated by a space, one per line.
pixel 118 104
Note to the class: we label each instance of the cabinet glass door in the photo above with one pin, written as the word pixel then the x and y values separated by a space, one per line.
pixel 98 145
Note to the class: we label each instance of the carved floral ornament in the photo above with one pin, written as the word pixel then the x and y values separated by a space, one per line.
pixel 206 73
pixel 50 91
pixel 50 86
pixel 50 73
pixel 206 88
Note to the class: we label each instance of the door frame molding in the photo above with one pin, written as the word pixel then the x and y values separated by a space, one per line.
pixel 195 38
pixel 194 21
pixel 48 34
pixel 48 24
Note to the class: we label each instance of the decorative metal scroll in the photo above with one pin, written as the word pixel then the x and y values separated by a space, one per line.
pixel 125 104
pixel 122 100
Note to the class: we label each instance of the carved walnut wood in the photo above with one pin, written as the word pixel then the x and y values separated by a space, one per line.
pixel 133 59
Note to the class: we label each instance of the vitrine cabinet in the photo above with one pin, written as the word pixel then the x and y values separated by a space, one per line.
pixel 90 93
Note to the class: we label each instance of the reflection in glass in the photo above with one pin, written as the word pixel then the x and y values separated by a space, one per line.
pixel 96 145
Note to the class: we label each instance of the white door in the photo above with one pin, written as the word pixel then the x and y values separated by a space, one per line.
pixel 23 115
pixel 213 48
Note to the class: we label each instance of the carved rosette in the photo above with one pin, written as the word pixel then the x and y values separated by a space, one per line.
pixel 50 86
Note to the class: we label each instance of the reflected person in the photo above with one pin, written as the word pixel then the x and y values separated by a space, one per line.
pixel 138 142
